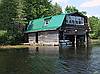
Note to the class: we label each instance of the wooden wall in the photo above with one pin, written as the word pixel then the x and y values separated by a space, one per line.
pixel 32 38
pixel 48 37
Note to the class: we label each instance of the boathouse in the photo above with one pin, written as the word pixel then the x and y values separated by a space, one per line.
pixel 56 29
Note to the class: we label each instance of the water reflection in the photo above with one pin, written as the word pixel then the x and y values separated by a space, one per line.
pixel 82 60
pixel 14 61
pixel 43 59
pixel 74 61
pixel 50 60
pixel 28 61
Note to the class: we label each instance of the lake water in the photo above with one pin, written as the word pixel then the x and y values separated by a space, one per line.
pixel 50 60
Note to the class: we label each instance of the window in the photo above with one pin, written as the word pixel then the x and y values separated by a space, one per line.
pixel 66 21
pixel 70 22
pixel 46 21
pixel 80 22
pixel 74 20
pixel 69 17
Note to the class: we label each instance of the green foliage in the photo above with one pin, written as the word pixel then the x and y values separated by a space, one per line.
pixel 7 14
pixel 2 32
pixel 8 22
pixel 94 25
pixel 56 9
pixel 3 36
pixel 71 9
pixel 36 8
pixel 10 37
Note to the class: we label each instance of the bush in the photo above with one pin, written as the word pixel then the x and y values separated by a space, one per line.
pixel 11 37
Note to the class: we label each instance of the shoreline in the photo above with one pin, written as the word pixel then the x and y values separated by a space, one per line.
pixel 21 46
pixel 15 46
pixel 93 41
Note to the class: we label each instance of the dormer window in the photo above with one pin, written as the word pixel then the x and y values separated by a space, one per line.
pixel 46 21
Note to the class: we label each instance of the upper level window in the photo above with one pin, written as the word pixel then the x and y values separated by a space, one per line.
pixel 74 20
pixel 70 21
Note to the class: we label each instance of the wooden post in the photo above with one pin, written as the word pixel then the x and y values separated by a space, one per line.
pixel 36 37
pixel 75 38
pixel 75 41
pixel 86 39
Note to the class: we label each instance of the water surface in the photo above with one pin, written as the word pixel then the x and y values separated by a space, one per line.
pixel 50 60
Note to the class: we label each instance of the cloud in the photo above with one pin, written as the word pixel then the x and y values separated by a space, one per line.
pixel 90 15
pixel 90 3
pixel 62 3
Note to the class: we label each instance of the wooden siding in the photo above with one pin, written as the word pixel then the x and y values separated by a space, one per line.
pixel 32 38
pixel 69 29
pixel 48 37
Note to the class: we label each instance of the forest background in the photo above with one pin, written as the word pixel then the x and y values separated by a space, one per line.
pixel 16 14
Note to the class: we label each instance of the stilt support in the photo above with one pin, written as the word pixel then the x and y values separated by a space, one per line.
pixel 75 41
pixel 86 39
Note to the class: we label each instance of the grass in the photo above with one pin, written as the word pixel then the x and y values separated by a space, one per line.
pixel 18 46
pixel 14 46
pixel 95 41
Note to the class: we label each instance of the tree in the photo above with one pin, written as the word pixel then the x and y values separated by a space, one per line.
pixel 36 8
pixel 70 9
pixel 7 14
pixel 94 25
pixel 56 9
pixel 8 21
pixel 20 19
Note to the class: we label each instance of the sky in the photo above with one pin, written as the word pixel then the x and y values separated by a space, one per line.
pixel 92 7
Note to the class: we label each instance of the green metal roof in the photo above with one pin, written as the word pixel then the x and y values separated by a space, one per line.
pixel 39 24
